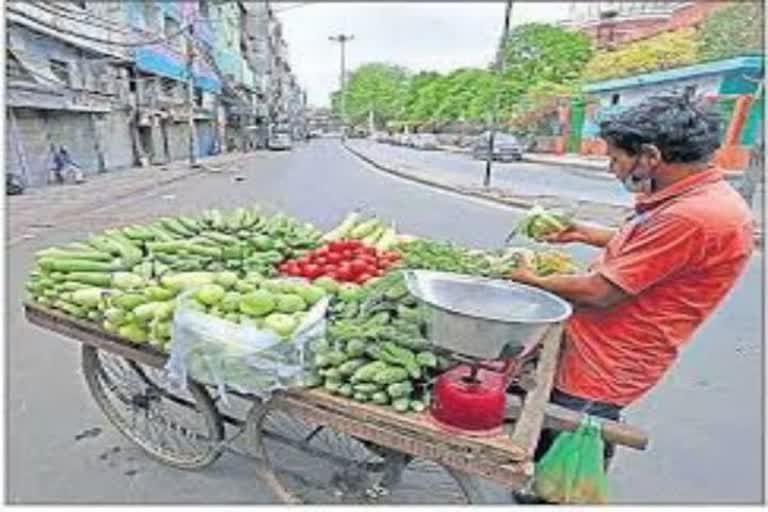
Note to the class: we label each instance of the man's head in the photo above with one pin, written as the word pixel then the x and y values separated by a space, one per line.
pixel 656 139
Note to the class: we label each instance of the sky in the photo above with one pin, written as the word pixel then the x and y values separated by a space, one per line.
pixel 417 35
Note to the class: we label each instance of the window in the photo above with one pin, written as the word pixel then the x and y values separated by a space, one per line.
pixel 14 70
pixel 60 69
pixel 615 99
pixel 202 6
pixel 171 30
pixel 151 18
pixel 690 91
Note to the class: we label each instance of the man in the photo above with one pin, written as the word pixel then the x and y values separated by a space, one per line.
pixel 662 273
pixel 63 165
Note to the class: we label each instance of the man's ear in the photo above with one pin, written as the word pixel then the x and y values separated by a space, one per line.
pixel 651 153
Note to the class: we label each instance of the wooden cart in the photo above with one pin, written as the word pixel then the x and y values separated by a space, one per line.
pixel 313 447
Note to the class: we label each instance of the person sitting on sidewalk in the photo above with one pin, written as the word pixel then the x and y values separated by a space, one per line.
pixel 661 274
pixel 63 165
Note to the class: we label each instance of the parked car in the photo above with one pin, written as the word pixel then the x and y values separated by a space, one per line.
pixel 280 141
pixel 425 141
pixel 404 139
pixel 506 148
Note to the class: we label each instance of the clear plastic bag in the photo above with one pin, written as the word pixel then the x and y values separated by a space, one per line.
pixel 240 357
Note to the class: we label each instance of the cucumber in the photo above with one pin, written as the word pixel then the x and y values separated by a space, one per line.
pixel 67 265
pixel 90 278
pixel 74 255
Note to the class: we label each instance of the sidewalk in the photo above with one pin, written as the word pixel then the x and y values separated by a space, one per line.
pixel 44 207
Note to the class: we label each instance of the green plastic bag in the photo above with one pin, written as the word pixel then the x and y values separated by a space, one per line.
pixel 572 470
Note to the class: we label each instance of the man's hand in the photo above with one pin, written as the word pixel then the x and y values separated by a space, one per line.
pixel 523 272
pixel 572 233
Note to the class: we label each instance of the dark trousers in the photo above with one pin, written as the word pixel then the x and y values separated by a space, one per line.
pixel 599 409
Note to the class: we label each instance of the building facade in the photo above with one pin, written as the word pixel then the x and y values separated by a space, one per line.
pixel 733 85
pixel 612 23
pixel 142 82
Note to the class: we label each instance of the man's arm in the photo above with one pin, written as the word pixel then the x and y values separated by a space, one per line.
pixel 596 235
pixel 591 289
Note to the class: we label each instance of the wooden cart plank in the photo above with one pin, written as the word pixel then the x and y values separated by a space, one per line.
pixel 453 451
pixel 416 424
pixel 91 334
pixel 528 427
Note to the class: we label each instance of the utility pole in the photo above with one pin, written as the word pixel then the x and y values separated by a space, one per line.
pixel 500 67
pixel 191 94
pixel 342 39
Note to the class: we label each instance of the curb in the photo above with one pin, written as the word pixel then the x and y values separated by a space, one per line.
pixel 758 238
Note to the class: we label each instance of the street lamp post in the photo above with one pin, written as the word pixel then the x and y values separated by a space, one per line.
pixel 342 39
pixel 500 67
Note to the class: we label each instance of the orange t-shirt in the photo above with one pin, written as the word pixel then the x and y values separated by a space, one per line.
pixel 676 258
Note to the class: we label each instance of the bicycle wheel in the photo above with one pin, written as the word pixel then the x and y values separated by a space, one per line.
pixel 179 429
pixel 307 463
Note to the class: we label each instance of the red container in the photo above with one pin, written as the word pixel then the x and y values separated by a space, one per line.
pixel 470 406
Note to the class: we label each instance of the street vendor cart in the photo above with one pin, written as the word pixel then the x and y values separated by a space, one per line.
pixel 311 446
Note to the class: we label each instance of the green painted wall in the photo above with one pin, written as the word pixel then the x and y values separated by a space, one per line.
pixel 755 118
pixel 573 144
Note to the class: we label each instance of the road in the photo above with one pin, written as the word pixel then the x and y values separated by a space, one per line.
pixel 705 419
pixel 523 178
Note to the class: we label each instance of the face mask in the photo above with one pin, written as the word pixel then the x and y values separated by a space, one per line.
pixel 638 183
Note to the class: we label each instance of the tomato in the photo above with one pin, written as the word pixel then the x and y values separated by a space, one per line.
pixel 308 270
pixel 358 266
pixel 344 273
pixel 369 250
pixel 337 246
pixel 378 272
pixel 348 254
pixel 354 244
pixel 391 255
pixel 327 269
pixel 323 251
pixel 368 259
pixel 292 268
pixel 321 260
pixel 334 257
pixel 363 278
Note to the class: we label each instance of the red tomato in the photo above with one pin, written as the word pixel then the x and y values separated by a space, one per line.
pixel 368 259
pixel 337 246
pixel 363 278
pixel 348 254
pixel 312 271
pixel 378 272
pixel 292 268
pixel 358 266
pixel 369 250
pixel 321 260
pixel 354 244
pixel 391 255
pixel 323 251
pixel 334 257
pixel 329 269
pixel 345 272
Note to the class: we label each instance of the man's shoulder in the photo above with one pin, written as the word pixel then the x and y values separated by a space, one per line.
pixel 713 207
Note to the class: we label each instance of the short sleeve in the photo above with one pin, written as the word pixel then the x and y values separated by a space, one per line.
pixel 652 252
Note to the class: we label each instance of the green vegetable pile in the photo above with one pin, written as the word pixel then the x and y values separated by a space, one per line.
pixel 108 277
pixel 375 350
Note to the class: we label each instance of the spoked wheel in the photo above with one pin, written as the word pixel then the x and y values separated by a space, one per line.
pixel 179 429
pixel 306 463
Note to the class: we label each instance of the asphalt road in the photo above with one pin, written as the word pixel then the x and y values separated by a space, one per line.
pixel 705 419
pixel 525 178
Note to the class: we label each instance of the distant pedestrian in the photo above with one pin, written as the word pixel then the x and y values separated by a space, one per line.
pixel 64 166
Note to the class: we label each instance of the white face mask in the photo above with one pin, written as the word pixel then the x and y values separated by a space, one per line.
pixel 638 183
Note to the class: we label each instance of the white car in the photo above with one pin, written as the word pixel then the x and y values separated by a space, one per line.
pixel 280 141
pixel 425 141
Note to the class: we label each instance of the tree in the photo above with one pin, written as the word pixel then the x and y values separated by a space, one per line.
pixel 663 51
pixel 733 30
pixel 537 52
pixel 375 87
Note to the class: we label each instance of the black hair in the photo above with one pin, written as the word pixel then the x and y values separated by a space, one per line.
pixel 684 130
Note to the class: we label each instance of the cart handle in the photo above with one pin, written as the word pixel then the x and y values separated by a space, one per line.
pixel 557 417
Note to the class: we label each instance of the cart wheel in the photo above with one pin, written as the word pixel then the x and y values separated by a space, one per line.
pixel 182 430
pixel 307 463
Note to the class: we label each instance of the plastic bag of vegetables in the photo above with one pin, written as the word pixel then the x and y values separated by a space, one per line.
pixel 252 355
